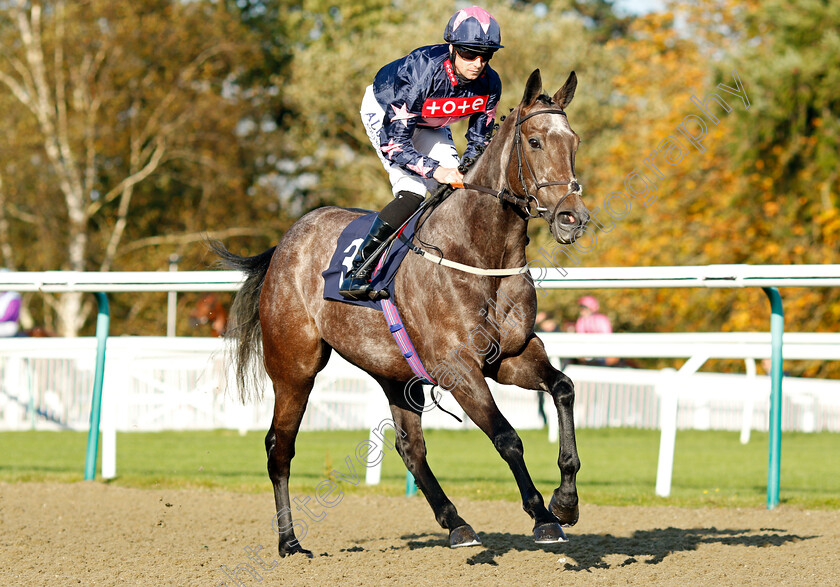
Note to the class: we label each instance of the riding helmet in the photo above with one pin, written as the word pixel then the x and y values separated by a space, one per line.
pixel 475 28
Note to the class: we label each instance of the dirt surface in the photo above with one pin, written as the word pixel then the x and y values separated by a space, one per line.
pixel 94 534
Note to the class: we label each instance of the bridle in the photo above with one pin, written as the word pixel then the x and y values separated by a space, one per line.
pixel 529 206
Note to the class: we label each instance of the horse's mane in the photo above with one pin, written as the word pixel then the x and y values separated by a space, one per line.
pixel 544 98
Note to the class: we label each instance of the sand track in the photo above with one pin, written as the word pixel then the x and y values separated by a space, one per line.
pixel 95 534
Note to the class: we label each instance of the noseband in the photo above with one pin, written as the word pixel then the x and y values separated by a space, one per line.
pixel 529 206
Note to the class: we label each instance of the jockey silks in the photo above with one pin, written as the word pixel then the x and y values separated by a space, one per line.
pixel 421 90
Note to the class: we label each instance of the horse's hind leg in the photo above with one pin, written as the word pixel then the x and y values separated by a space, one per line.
pixel 412 448
pixel 289 406
pixel 292 368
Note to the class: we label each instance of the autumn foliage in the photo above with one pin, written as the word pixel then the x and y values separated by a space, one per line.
pixel 711 135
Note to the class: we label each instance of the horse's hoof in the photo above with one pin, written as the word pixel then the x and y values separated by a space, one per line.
pixel 549 533
pixel 294 548
pixel 568 516
pixel 463 536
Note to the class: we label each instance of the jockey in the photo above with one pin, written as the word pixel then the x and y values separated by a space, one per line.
pixel 407 112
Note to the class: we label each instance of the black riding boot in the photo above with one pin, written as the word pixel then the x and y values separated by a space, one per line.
pixel 356 284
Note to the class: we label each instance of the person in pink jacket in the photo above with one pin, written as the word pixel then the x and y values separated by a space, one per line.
pixel 593 322
pixel 590 320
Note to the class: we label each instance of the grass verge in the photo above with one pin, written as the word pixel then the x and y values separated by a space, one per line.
pixel 712 468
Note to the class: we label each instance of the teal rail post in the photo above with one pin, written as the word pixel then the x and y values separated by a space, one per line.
pixel 410 484
pixel 102 322
pixel 777 327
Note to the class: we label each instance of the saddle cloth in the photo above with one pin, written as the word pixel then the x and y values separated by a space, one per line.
pixel 383 278
pixel 342 260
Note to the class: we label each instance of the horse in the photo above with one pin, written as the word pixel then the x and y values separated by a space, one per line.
pixel 528 167
pixel 210 310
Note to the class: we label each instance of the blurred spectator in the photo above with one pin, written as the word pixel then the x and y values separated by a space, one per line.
pixel 593 322
pixel 9 313
pixel 590 320
pixel 543 323
pixel 767 364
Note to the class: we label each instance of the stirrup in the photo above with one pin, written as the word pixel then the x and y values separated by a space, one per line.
pixel 356 284
pixel 363 292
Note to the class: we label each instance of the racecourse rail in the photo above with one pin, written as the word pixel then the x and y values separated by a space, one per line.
pixel 767 277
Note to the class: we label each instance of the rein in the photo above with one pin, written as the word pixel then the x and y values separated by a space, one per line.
pixel 506 194
pixel 429 206
pixel 522 205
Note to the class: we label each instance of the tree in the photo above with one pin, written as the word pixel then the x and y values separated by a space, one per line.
pixel 115 93
pixel 764 188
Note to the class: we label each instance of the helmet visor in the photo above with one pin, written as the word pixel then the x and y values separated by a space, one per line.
pixel 473 53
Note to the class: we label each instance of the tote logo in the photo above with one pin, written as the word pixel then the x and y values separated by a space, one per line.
pixel 439 107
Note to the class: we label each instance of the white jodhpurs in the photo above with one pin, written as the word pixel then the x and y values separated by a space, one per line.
pixel 436 143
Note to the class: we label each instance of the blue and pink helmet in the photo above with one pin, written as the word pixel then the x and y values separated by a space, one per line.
pixel 474 28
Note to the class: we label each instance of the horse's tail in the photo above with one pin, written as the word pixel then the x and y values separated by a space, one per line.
pixel 245 333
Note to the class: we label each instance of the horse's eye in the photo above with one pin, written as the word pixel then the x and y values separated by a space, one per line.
pixel 535 143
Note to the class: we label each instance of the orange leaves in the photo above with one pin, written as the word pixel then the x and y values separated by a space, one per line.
pixel 771 209
pixel 829 223
pixel 771 251
pixel 741 320
pixel 712 206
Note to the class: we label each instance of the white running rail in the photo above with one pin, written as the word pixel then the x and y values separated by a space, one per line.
pixel 546 276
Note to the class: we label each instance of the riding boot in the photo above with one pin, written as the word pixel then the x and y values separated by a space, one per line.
pixel 356 284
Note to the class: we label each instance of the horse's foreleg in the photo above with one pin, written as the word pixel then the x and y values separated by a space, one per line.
pixel 474 396
pixel 412 448
pixel 564 501
pixel 532 370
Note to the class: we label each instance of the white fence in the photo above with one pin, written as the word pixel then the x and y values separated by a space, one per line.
pixel 162 383
pixel 180 383
pixel 669 387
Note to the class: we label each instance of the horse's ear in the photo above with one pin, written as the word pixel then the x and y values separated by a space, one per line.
pixel 564 95
pixel 533 88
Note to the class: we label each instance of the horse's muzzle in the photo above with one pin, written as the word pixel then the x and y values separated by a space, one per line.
pixel 568 225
